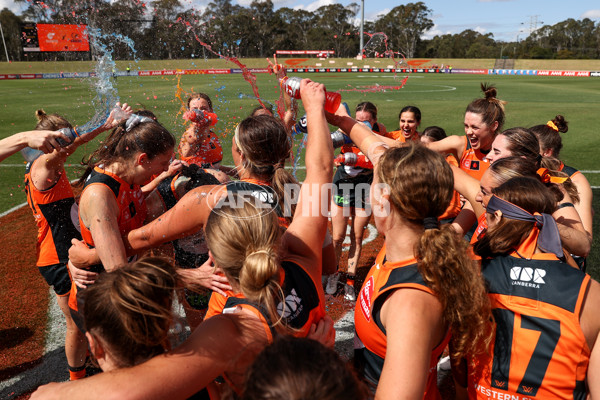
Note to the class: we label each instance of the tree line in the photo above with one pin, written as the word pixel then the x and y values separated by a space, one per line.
pixel 167 30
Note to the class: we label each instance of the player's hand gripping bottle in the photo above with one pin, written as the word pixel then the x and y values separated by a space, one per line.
pixel 198 116
pixel 291 85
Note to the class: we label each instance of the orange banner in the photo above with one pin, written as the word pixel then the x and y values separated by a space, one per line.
pixel 54 37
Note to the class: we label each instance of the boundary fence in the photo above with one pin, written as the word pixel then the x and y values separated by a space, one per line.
pixel 167 72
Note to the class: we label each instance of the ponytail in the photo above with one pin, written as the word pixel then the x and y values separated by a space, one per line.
pixel 259 280
pixel 244 241
pixel 414 173
pixel 549 134
pixel 490 108
pixel 264 141
pixel 50 122
pixel 443 261
pixel 124 143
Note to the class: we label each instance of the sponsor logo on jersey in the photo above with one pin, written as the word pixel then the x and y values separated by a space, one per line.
pixel 527 277
pixel 292 306
pixel 365 296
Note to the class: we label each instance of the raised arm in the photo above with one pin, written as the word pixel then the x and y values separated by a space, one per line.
pixel 41 140
pixel 467 186
pixel 187 217
pixel 371 144
pixel 572 232
pixel 305 235
pixel 46 170
pixel 452 144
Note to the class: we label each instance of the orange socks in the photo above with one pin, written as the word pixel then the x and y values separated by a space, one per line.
pixel 76 372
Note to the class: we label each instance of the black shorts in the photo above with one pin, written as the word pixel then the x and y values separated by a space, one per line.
pixel 57 276
pixel 352 191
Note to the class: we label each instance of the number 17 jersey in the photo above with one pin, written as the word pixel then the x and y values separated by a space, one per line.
pixel 539 351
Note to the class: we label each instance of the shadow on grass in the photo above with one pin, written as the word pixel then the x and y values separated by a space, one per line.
pixel 12 337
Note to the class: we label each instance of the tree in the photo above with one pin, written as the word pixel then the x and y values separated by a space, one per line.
pixel 404 26
pixel 296 26
pixel 11 28
pixel 334 29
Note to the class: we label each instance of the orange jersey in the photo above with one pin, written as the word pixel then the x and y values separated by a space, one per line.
pixel 539 351
pixel 350 148
pixel 473 161
pixel 129 198
pixel 209 152
pixel 52 212
pixel 132 213
pixel 302 307
pixel 568 170
pixel 399 136
pixel 480 230
pixel 383 278
pixel 455 204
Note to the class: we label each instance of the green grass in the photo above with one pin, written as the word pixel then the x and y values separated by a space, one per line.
pixel 441 98
pixel 79 66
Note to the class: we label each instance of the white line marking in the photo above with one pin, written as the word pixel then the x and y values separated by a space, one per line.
pixel 15 208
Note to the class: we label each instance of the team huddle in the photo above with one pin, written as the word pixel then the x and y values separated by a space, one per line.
pixel 485 238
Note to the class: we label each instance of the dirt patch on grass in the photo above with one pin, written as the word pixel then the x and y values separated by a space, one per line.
pixel 23 296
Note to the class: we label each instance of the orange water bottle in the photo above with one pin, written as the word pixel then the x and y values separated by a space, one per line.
pixel 291 85
pixel 198 116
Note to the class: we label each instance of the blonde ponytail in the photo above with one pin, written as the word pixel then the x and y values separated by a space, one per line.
pixel 244 241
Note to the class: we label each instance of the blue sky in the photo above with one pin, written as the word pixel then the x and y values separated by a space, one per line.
pixel 504 18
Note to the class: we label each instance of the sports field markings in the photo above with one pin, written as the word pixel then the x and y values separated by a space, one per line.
pixel 389 76
pixel 372 236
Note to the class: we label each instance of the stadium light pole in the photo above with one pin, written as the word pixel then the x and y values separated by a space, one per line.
pixel 362 27
pixel 3 42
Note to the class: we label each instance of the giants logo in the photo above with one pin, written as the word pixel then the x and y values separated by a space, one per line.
pixel 473 165
pixel 364 299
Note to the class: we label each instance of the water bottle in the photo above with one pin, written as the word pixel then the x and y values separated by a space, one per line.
pixel 354 160
pixel 198 116
pixel 301 126
pixel 30 154
pixel 292 87
pixel 338 138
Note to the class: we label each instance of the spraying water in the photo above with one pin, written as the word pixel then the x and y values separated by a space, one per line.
pixel 102 82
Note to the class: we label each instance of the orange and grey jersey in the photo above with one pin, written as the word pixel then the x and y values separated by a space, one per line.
pixel 455 204
pixel 381 281
pixel 399 136
pixel 129 198
pixel 473 161
pixel 52 212
pixel 540 351
pixel 302 305
pixel 209 152
pixel 569 170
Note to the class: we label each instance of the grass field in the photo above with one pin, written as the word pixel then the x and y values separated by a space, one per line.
pixel 442 98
